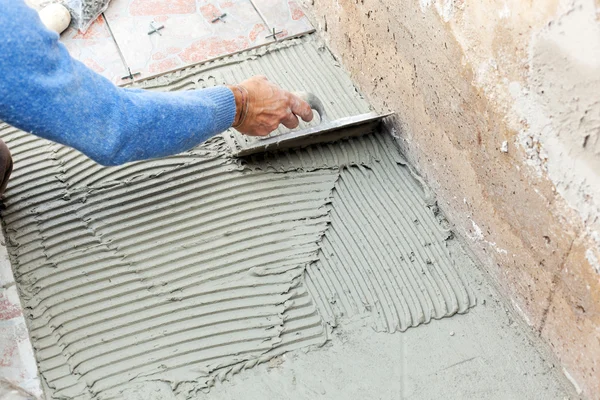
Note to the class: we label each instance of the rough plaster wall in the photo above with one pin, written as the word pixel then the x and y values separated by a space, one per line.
pixel 498 107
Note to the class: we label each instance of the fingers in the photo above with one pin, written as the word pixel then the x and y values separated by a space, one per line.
pixel 290 120
pixel 300 108
pixel 268 106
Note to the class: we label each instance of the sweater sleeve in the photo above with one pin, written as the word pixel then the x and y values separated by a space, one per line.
pixel 46 92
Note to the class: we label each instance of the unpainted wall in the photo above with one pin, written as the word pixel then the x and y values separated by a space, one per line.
pixel 498 107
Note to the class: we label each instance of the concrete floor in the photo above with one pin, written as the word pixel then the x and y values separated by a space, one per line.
pixel 484 354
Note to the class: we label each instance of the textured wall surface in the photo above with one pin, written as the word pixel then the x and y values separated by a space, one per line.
pixel 498 107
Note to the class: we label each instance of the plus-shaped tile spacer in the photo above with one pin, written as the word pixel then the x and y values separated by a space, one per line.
pixel 154 29
pixel 131 75
pixel 273 34
pixel 219 18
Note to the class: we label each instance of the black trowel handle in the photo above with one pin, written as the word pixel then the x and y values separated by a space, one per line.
pixel 314 103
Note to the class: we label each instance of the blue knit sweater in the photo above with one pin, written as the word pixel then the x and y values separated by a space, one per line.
pixel 46 92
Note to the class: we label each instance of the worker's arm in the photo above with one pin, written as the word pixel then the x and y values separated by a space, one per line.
pixel 46 92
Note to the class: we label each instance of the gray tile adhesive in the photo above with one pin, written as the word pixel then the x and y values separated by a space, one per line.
pixel 192 268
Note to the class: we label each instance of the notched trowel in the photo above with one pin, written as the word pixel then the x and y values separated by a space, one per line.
pixel 325 131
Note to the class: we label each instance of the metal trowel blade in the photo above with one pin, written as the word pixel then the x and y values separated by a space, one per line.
pixel 327 131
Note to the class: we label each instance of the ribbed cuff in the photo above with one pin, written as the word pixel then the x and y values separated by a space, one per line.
pixel 224 101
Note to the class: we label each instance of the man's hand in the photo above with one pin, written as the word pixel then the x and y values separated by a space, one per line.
pixel 261 106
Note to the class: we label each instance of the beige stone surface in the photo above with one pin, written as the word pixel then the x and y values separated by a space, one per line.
pixel 467 79
pixel 573 321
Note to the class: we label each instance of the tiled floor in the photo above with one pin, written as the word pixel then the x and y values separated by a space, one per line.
pixel 17 363
pixel 96 49
pixel 191 33
pixel 189 36
pixel 284 16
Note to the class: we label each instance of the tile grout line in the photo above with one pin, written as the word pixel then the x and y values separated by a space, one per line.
pixel 261 15
pixel 127 70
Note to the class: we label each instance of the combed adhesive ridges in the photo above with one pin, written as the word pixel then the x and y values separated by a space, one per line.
pixel 188 275
pixel 194 267
pixel 385 254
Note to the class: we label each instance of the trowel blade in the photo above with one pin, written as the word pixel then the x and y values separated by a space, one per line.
pixel 328 131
